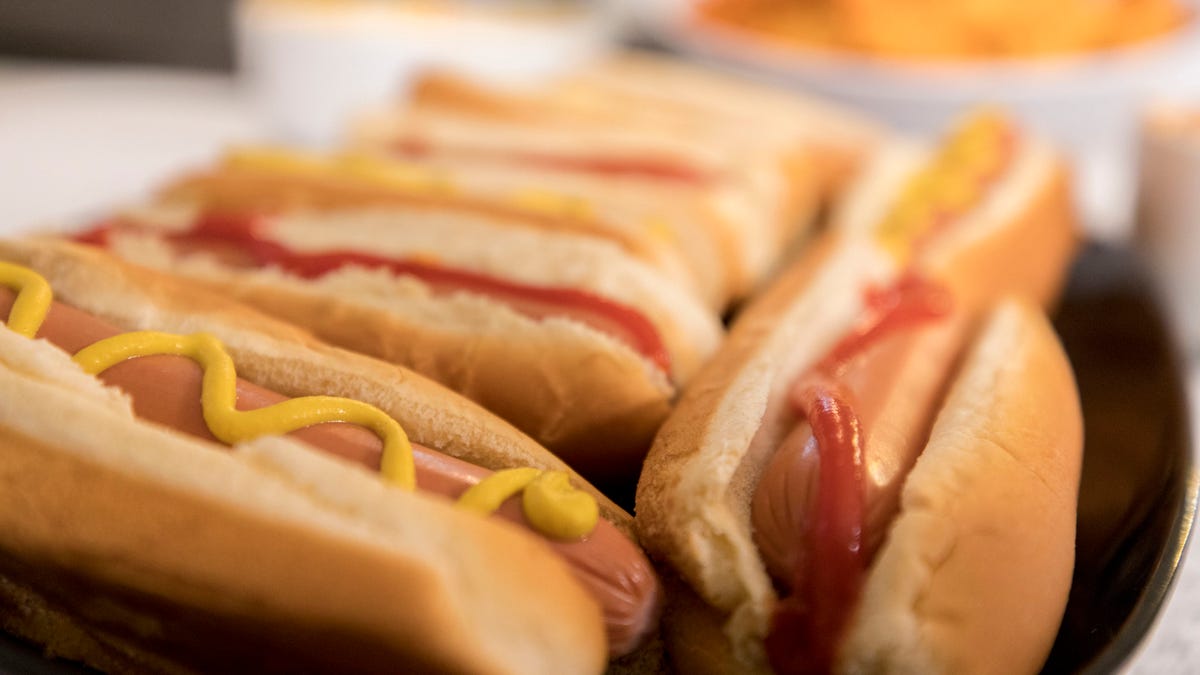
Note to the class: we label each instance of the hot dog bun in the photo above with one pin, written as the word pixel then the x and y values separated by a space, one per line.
pixel 743 160
pixel 150 544
pixel 708 464
pixel 285 358
pixel 590 397
pixel 271 179
pixel 838 140
pixel 1017 239
pixel 985 534
pixel 986 531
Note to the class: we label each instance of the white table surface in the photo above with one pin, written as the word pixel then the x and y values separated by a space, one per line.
pixel 75 140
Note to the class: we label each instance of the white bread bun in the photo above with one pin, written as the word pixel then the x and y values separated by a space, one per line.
pixel 762 192
pixel 838 137
pixel 667 220
pixel 1017 239
pixel 466 190
pixel 694 496
pixel 129 527
pixel 974 575
pixel 986 531
pixel 582 393
pixel 154 546
pixel 286 359
pixel 477 243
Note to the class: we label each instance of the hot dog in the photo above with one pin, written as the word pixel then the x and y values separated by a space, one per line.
pixel 742 164
pixel 569 339
pixel 97 299
pixel 268 179
pixel 798 488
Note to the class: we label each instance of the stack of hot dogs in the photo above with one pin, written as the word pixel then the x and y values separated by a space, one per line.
pixel 520 294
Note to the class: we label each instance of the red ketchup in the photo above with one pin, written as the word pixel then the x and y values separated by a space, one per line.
pixel 237 240
pixel 825 585
pixel 616 166
pixel 807 625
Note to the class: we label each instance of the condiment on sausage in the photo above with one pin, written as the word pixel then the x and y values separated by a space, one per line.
pixel 168 389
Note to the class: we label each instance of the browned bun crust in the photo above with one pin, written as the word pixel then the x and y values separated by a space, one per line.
pixel 586 396
pixel 537 383
pixel 146 544
pixel 245 190
pixel 1029 256
pixel 662 522
pixel 696 643
pixel 282 357
pixel 766 156
pixel 152 570
pixel 975 573
pixel 694 495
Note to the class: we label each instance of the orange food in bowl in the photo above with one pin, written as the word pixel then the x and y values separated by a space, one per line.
pixel 951 29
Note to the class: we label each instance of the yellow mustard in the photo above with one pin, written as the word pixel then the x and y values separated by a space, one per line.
pixel 948 185
pixel 219 398
pixel 385 173
pixel 549 502
pixel 659 229
pixel 549 203
pixel 275 159
pixel 33 300
pixel 364 168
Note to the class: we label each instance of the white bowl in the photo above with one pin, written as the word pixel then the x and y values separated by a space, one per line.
pixel 1087 104
pixel 310 65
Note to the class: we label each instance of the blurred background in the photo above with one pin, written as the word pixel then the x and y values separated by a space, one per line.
pixel 1079 71
pixel 162 83
pixel 100 99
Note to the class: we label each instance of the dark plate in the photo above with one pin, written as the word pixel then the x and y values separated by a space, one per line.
pixel 1139 485
pixel 1138 495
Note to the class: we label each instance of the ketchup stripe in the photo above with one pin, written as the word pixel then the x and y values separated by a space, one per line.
pixel 807 624
pixel 627 325
pixel 907 303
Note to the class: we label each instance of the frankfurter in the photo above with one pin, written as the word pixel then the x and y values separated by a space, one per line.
pixel 878 471
pixel 568 338
pixel 276 538
pixel 743 170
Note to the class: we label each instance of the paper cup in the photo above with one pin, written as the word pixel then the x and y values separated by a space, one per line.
pixel 1169 213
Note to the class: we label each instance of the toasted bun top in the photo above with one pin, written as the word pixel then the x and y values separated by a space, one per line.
pixel 1018 239
pixel 975 573
pixel 536 257
pixel 466 192
pixel 273 535
pixel 693 499
pixel 278 356
pixel 694 496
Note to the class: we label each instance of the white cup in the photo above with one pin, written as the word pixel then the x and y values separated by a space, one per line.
pixel 1169 214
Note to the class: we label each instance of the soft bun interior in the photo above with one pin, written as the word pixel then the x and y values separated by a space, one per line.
pixel 284 358
pixel 975 573
pixel 142 535
pixel 693 500
pixel 478 243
